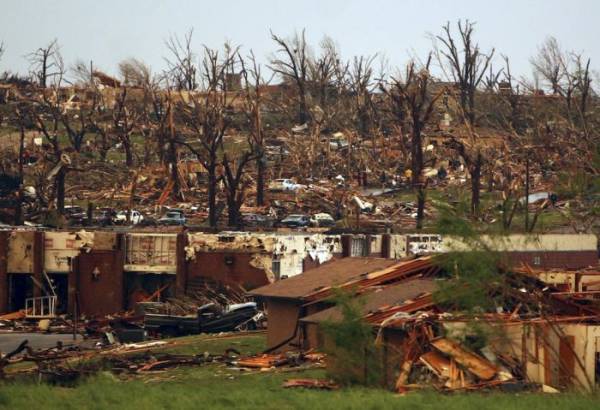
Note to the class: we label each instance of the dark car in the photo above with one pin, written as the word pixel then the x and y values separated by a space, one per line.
pixel 104 216
pixel 172 218
pixel 257 220
pixel 209 318
pixel 75 215
pixel 296 221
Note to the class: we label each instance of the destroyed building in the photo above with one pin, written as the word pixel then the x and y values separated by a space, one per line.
pixel 541 335
pixel 104 272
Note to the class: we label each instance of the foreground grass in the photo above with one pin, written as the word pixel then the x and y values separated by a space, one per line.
pixel 216 387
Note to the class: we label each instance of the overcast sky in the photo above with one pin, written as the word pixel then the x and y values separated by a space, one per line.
pixel 108 31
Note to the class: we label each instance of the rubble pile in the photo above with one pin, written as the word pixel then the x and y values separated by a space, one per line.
pixel 201 295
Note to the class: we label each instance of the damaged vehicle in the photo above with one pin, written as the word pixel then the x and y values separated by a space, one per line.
pixel 75 214
pixel 136 218
pixel 210 318
pixel 283 184
pixel 172 218
pixel 322 220
pixel 257 220
pixel 295 221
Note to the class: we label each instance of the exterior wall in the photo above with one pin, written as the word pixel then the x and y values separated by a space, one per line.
pixel 566 281
pixel 4 240
pixel 397 246
pixel 313 337
pixel 20 252
pixel 293 250
pixel 586 341
pixel 376 246
pixel 96 283
pixel 61 247
pixel 39 252
pixel 227 267
pixel 151 252
pixel 310 331
pixel 588 281
pixel 282 318
pixel 531 243
pixel 423 244
pixel 542 349
pixel 554 259
pixel 289 252
pixel 540 251
pixel 105 241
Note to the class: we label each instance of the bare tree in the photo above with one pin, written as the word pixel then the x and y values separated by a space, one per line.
pixel 182 64
pixel 464 64
pixel 253 101
pixel 53 118
pixel 327 81
pixel 582 83
pixel 235 184
pixel 45 63
pixel 125 120
pixel 549 63
pixel 513 96
pixel 414 104
pixel 82 73
pixel 293 66
pixel 135 73
pixel 207 119
pixel 361 87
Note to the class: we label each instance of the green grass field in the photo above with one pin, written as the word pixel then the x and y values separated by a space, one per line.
pixel 216 387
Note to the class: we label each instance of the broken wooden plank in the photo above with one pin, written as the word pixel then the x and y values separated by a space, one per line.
pixel 476 364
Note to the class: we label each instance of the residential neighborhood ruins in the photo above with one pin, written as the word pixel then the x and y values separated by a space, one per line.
pixel 432 226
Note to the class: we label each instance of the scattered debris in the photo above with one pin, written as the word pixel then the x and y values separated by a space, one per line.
pixel 311 384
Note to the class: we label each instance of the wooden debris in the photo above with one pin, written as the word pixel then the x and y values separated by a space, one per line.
pixel 311 384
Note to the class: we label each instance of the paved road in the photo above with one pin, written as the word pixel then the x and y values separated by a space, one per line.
pixel 10 341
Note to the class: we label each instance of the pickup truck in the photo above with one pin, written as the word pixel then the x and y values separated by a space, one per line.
pixel 135 218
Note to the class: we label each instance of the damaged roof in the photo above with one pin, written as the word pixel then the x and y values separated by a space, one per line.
pixel 332 273
pixel 379 299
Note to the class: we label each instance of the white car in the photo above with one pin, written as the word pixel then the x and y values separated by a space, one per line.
pixel 283 185
pixel 322 220
pixel 136 217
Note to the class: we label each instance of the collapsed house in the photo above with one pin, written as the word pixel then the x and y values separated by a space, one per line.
pixel 540 335
pixel 290 300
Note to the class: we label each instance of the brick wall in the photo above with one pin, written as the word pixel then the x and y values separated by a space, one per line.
pixel 554 259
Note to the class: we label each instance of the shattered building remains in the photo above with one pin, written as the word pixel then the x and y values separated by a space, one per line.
pixel 104 272
pixel 541 335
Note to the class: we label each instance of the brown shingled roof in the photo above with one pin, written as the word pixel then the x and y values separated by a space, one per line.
pixel 379 299
pixel 332 273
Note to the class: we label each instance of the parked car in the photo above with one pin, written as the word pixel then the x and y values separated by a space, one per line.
pixel 283 185
pixel 181 211
pixel 295 221
pixel 75 214
pixel 322 220
pixel 136 217
pixel 149 221
pixel 257 220
pixel 172 218
pixel 104 216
